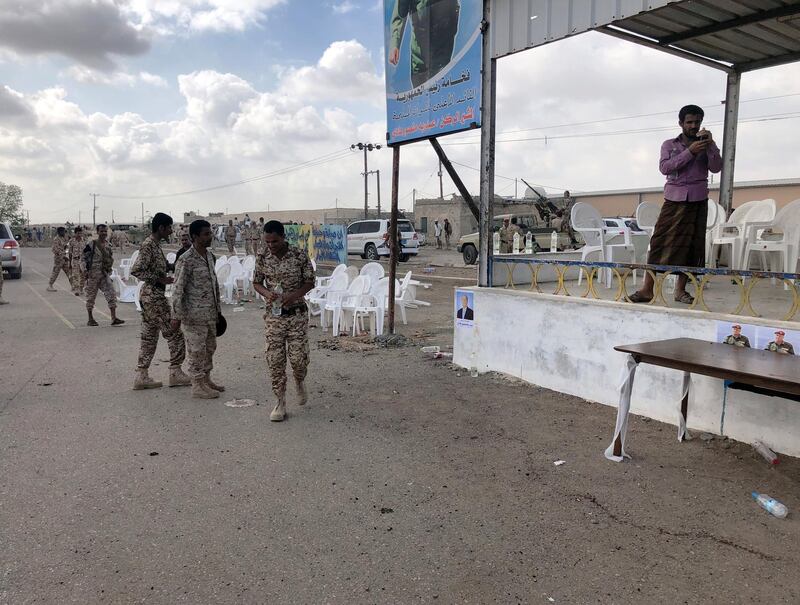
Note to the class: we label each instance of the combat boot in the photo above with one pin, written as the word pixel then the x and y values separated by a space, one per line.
pixel 3 302
pixel 213 385
pixel 279 412
pixel 51 289
pixel 178 378
pixel 201 391
pixel 302 394
pixel 143 381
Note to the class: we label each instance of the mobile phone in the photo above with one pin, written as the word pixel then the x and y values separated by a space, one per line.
pixel 703 137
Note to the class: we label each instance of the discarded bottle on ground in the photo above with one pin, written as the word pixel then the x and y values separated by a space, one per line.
pixel 765 452
pixel 771 505
pixel 473 369
pixel 277 304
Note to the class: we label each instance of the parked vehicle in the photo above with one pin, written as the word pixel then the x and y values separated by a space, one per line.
pixel 622 223
pixel 10 252
pixel 370 239
pixel 468 244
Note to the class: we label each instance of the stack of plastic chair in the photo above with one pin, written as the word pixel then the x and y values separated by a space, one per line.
pixel 779 237
pixel 126 264
pixel 373 307
pixel 741 227
pixel 323 281
pixel 587 221
pixel 317 298
pixel 223 276
pixel 340 304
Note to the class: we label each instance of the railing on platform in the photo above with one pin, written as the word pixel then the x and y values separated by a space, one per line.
pixel 699 277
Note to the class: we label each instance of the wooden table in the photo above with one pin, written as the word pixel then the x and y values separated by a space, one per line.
pixel 764 369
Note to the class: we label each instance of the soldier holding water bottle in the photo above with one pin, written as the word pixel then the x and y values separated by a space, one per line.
pixel 283 276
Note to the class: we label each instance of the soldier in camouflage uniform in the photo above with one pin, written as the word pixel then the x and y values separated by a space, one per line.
pixel 60 261
pixel 779 345
pixel 151 267
pixel 230 237
pixel 737 339
pixel 195 308
pixel 75 254
pixel 289 267
pixel 247 235
pixel 259 234
pixel 99 261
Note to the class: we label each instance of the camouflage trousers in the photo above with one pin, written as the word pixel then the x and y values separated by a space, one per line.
pixel 231 243
pixel 155 320
pixel 201 342
pixel 284 334
pixel 78 277
pixel 248 247
pixel 97 280
pixel 59 265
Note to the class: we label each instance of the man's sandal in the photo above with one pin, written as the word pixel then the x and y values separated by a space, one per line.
pixel 685 298
pixel 636 297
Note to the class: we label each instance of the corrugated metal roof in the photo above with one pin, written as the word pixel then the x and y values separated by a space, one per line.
pixel 741 35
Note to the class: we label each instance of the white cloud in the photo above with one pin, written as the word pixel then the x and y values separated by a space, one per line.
pixel 85 75
pixel 344 7
pixel 169 16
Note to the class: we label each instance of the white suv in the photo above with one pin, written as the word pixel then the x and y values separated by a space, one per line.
pixel 370 239
pixel 10 252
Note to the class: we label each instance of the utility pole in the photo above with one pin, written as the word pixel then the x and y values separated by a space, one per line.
pixel 378 174
pixel 441 185
pixel 142 215
pixel 413 199
pixel 365 147
pixel 94 208
pixel 515 188
pixel 112 216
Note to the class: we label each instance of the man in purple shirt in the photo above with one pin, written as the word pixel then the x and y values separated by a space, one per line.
pixel 679 236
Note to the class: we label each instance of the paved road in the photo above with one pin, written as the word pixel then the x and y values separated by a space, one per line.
pixel 402 481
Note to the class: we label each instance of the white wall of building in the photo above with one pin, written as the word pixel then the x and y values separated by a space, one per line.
pixel 567 344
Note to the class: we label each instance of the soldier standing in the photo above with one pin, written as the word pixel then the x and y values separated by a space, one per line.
pixel 506 237
pixel 250 234
pixel 75 253
pixel 259 247
pixel 195 309
pixel 230 237
pixel 60 261
pixel 151 267
pixel 99 261
pixel 290 268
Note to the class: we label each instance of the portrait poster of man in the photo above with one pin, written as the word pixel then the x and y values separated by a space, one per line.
pixel 464 308
pixel 433 65
pixel 778 340
pixel 736 334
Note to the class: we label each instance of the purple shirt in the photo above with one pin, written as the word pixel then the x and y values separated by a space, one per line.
pixel 687 174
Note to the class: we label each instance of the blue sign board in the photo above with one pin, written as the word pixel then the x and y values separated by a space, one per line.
pixel 323 243
pixel 433 67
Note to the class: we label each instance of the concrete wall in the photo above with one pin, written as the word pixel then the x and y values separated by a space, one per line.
pixel 566 344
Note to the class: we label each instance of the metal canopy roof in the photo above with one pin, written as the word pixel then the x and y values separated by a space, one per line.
pixel 732 35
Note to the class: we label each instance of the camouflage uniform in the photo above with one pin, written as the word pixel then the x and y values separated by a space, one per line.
pixel 98 275
pixel 150 267
pixel 259 245
pixel 737 341
pixel 784 348
pixel 247 235
pixel 195 300
pixel 60 262
pixel 74 252
pixel 230 238
pixel 289 331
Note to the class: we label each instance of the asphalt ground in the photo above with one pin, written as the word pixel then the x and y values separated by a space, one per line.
pixel 404 480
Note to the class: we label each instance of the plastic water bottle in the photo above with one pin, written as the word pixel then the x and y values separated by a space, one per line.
pixel 529 243
pixel 473 369
pixel 765 452
pixel 771 505
pixel 554 242
pixel 496 243
pixel 515 249
pixel 277 305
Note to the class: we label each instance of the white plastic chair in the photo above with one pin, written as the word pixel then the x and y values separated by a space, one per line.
pixel 374 307
pixel 374 271
pixel 736 233
pixel 127 294
pixel 126 264
pixel 342 303
pixel 313 264
pixel 223 276
pixel 323 281
pixel 779 237
pixel 249 263
pixel 352 273
pixel 647 214
pixel 716 217
pixel 587 221
pixel 222 260
pixel 235 278
pixel 319 296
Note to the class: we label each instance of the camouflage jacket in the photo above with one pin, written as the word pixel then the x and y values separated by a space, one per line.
pixel 59 247
pixel 785 348
pixel 291 271
pixel 151 264
pixel 195 293
pixel 230 232
pixel 75 249
pixel 97 258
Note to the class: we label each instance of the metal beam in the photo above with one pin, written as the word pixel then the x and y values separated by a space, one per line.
pixel 393 243
pixel 757 17
pixel 473 207
pixel 769 62
pixel 636 39
pixel 488 116
pixel 729 141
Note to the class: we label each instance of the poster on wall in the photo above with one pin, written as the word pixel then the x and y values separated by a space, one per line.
pixel 763 338
pixel 464 311
pixel 433 67
pixel 323 243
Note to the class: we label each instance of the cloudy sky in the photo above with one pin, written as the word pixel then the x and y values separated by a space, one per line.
pixel 134 99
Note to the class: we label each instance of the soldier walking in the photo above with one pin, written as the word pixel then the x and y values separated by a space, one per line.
pixel 290 268
pixel 195 308
pixel 151 267
pixel 60 262
pixel 99 261
pixel 75 255
pixel 247 235
pixel 230 237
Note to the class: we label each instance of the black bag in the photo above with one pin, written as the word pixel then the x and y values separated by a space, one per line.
pixel 222 324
